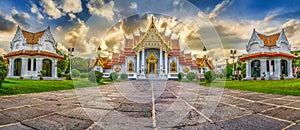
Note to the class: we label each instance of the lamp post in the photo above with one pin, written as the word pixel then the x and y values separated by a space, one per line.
pixel 204 51
pixel 70 50
pixel 232 52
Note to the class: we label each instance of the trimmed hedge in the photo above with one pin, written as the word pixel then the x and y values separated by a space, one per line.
pixel 95 76
pixel 113 76
pixel 191 76
pixel 180 76
pixel 124 76
pixel 75 73
pixel 84 75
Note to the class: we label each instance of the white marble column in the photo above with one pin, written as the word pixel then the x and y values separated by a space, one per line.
pixel 11 67
pixel 166 62
pixel 160 62
pixel 248 69
pixel 277 70
pixel 54 69
pixel 24 67
pixel 39 65
pixel 263 67
pixel 138 63
pixel 290 68
pixel 143 64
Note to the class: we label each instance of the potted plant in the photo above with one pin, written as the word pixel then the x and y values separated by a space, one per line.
pixel 43 72
pixel 254 77
pixel 263 77
pixel 282 76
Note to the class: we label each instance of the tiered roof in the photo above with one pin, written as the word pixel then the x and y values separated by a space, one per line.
pixel 33 53
pixel 270 40
pixel 32 38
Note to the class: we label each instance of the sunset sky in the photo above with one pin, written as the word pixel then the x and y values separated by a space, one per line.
pixel 84 24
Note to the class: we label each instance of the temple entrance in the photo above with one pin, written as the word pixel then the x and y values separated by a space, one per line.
pixel 152 64
pixel 17 67
pixel 47 65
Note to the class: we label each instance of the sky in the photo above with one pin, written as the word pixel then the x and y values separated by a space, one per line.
pixel 86 24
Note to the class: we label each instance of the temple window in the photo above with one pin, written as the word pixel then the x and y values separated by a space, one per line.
pixel 173 67
pixel 130 67
pixel 29 64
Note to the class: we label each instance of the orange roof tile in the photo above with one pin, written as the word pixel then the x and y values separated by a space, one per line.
pixel 268 54
pixel 34 53
pixel 32 38
pixel 269 40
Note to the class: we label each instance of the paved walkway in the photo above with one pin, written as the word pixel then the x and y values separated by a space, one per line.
pixel 150 105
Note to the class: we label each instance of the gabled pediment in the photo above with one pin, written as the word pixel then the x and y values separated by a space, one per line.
pixel 152 39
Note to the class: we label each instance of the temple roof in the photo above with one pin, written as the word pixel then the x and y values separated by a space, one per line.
pixel 268 54
pixel 269 40
pixel 201 62
pixel 32 38
pixel 104 62
pixel 33 53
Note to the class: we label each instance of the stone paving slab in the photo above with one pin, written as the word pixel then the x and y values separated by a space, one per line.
pixel 295 104
pixel 278 101
pixel 256 106
pixel 253 122
pixel 24 113
pixel 16 127
pixel 294 127
pixel 284 113
pixel 58 122
pixel 105 107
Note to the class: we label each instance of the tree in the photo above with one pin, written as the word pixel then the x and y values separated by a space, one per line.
pixel 296 62
pixel 210 76
pixel 80 64
pixel 3 71
pixel 64 63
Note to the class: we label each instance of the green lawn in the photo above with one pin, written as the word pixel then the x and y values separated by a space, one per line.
pixel 17 86
pixel 285 87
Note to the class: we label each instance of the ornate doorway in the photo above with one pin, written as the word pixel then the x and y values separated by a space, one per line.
pixel 152 64
pixel 47 65
pixel 17 67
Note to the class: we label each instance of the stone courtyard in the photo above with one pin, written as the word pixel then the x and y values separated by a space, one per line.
pixel 150 105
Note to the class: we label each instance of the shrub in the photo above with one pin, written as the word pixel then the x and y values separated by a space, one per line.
pixel 84 75
pixel 298 74
pixel 43 72
pixel 3 71
pixel 124 76
pixel 75 73
pixel 191 76
pixel 68 77
pixel 210 76
pixel 59 72
pixel 113 76
pixel 221 76
pixel 180 76
pixel 95 76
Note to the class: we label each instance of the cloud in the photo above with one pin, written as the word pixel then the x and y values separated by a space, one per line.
pixel 61 47
pixel 6 25
pixel 77 37
pixel 72 6
pixel 133 5
pixel 51 9
pixel 34 9
pixel 58 28
pixel 2 51
pixel 97 7
pixel 20 18
pixel 72 16
pixel 219 7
